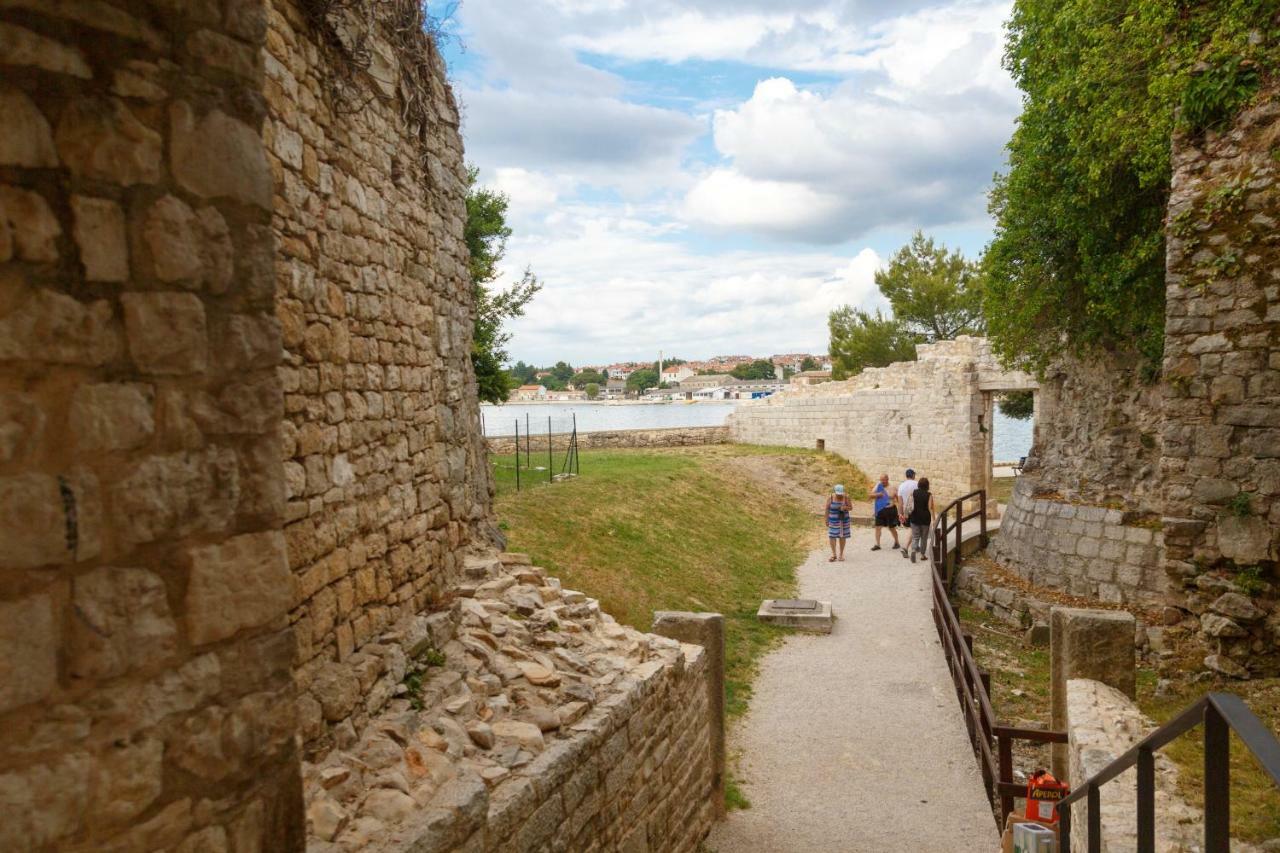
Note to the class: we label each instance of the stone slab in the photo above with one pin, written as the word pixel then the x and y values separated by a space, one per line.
pixel 817 619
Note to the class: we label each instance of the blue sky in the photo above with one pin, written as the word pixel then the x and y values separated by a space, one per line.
pixel 714 176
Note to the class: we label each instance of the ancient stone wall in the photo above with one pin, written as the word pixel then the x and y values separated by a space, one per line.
pixel 1221 465
pixel 933 414
pixel 527 720
pixel 617 438
pixel 145 689
pixel 1090 550
pixel 1098 432
pixel 384 468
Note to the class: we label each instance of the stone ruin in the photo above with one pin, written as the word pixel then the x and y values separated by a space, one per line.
pixel 250 592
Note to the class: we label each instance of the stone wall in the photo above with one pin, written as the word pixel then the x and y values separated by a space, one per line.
pixel 1098 432
pixel 933 414
pixel 614 439
pixel 1221 465
pixel 1100 552
pixel 384 470
pixel 527 720
pixel 145 691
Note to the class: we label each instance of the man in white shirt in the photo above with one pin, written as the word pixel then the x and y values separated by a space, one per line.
pixel 905 491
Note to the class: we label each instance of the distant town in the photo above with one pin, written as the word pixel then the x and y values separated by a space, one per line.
pixel 723 377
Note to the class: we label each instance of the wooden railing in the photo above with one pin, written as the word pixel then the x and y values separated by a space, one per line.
pixel 992 742
pixel 1221 714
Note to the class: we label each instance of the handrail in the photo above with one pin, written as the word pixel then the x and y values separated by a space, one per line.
pixel 973 686
pixel 1221 714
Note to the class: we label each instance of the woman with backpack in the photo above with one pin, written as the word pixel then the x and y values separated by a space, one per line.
pixel 920 512
pixel 838 523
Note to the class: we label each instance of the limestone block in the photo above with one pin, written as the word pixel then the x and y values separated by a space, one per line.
pixel 177 494
pixel 121 622
pixel 216 156
pixel 111 416
pixel 22 422
pixel 219 51
pixel 50 327
pixel 101 139
pixel 100 235
pixel 138 79
pixel 1238 607
pixel 241 583
pixel 1220 626
pixel 20 46
pixel 33 521
pixel 43 803
pixel 28 656
pixel 95 14
pixel 1089 644
pixel 27 140
pixel 189 247
pixel 166 331
pixel 1244 540
pixel 31 225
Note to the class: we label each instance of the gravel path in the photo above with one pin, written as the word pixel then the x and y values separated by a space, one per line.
pixel 854 741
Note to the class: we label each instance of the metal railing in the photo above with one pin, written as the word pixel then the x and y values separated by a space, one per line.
pixel 1221 714
pixel 992 742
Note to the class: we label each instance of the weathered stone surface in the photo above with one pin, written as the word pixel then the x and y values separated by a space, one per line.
pixel 32 227
pixel 1088 644
pixel 27 140
pixel 217 156
pixel 241 583
pixel 28 654
pixel 43 803
pixel 177 494
pixel 20 46
pixel 1220 626
pixel 102 139
pixel 32 521
pixel 50 327
pixel 167 332
pixel 1237 607
pixel 127 779
pixel 100 236
pixel 337 689
pixel 121 621
pixel 112 416
pixel 1245 540
pixel 1226 666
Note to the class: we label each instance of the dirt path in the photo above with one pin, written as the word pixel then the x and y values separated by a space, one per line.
pixel 855 741
pixel 777 474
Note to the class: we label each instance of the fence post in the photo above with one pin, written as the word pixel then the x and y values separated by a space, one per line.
pixel 517 454
pixel 1146 800
pixel 528 442
pixel 1217 781
pixel 551 465
pixel 1005 746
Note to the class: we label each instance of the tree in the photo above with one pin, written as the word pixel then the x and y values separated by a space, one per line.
pixel 758 369
pixel 588 377
pixel 642 379
pixel 562 371
pixel 933 292
pixel 860 340
pixel 809 363
pixel 593 390
pixel 486 234
pixel 1078 255
pixel 1017 404
pixel 524 373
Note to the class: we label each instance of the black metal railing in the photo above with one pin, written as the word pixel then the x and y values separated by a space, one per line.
pixel 992 742
pixel 1221 714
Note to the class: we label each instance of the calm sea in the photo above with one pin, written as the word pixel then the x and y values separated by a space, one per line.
pixel 1012 439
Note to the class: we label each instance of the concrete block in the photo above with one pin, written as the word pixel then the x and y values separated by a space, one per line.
pixel 1093 644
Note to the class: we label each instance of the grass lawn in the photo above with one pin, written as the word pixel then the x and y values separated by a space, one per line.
pixel 1020 694
pixel 677 529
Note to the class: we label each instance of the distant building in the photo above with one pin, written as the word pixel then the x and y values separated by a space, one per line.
pixel 811 377
pixel 566 396
pixel 619 371
pixel 676 373
pixel 614 389
pixel 710 380
pixel 526 393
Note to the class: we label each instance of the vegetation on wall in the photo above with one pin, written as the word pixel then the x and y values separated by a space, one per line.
pixel 934 295
pixel 1078 257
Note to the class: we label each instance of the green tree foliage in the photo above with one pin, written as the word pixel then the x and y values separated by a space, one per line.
pixel 758 369
pixel 486 234
pixel 593 390
pixel 523 373
pixel 809 363
pixel 1078 254
pixel 588 377
pixel 934 293
pixel 639 380
pixel 562 371
pixel 860 340
pixel 1017 404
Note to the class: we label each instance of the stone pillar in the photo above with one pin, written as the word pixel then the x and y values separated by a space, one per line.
pixel 706 630
pixel 1093 644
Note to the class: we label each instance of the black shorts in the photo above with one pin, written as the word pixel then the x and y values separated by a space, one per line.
pixel 887 517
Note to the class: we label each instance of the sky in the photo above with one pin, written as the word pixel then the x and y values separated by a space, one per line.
pixel 713 177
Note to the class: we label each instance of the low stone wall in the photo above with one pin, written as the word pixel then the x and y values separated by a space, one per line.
pixel 933 414
pixel 1091 551
pixel 1103 724
pixel 610 439
pixel 526 719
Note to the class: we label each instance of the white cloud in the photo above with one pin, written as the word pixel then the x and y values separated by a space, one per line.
pixel 728 200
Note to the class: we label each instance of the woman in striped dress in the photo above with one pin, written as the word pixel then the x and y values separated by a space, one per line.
pixel 837 522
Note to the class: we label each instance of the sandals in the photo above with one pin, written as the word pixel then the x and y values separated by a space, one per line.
pixel 831 559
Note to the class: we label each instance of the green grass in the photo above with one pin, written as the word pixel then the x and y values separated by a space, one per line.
pixel 646 530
